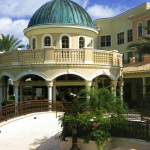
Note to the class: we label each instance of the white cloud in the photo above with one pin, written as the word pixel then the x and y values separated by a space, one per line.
pixel 25 8
pixel 104 11
pixel 16 27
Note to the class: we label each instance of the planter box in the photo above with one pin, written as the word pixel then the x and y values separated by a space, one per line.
pixel 111 144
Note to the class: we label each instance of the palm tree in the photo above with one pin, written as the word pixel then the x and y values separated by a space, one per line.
pixel 143 47
pixel 8 43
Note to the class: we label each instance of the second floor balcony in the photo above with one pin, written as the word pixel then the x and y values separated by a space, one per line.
pixel 61 56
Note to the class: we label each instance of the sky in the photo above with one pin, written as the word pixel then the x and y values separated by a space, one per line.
pixel 15 14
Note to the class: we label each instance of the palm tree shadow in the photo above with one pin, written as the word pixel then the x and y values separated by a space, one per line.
pixel 52 143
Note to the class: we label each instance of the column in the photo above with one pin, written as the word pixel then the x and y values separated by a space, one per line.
pixel 121 84
pixel 144 86
pixel 21 94
pixel 49 85
pixel 113 88
pixel 1 93
pixel 16 85
pixel 88 84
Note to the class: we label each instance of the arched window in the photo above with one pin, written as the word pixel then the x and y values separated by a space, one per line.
pixel 47 41
pixel 81 42
pixel 34 43
pixel 65 42
pixel 140 30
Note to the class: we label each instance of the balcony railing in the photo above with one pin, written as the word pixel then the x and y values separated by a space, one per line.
pixel 60 56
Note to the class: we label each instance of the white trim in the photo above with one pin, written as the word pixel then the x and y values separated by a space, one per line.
pixel 28 73
pixel 49 62
pixel 69 72
pixel 85 41
pixel 32 42
pixel 147 26
pixel 137 36
pixel 104 72
pixel 7 74
pixel 43 38
pixel 60 40
pixel 88 62
pixel 61 26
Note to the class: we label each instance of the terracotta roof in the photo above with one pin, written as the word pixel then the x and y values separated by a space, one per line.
pixel 135 69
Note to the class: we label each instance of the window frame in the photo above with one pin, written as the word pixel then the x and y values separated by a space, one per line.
pixel 83 41
pixel 69 37
pixel 129 36
pixel 105 41
pixel 138 30
pixel 43 40
pixel 123 38
pixel 35 42
pixel 147 34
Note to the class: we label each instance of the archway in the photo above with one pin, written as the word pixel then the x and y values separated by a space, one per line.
pixel 67 87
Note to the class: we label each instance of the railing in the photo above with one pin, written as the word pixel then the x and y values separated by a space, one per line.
pixel 103 57
pixel 27 107
pixel 6 58
pixel 31 56
pixel 69 56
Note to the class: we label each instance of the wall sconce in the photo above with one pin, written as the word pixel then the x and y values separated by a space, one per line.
pixel 55 42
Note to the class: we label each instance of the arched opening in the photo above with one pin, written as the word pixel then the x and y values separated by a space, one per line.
pixel 81 42
pixel 32 87
pixel 6 91
pixel 68 87
pixel 34 43
pixel 65 42
pixel 47 41
pixel 102 81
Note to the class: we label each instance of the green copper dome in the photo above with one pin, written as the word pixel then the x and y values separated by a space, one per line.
pixel 63 12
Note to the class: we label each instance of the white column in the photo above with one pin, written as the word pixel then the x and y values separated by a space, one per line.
pixel 21 94
pixel 88 84
pixel 49 85
pixel 144 86
pixel 1 93
pixel 113 88
pixel 16 85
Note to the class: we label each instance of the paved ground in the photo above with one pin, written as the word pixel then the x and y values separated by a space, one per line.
pixel 28 133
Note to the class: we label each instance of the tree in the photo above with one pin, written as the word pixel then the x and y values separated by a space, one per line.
pixel 8 43
pixel 143 47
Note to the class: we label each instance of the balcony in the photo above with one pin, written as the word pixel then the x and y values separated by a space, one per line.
pixel 61 56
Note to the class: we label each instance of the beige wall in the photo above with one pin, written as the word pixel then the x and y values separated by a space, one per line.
pixel 117 24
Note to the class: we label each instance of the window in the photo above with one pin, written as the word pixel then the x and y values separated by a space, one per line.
pixel 106 41
pixel 148 25
pixel 47 41
pixel 120 38
pixel 129 55
pixel 140 30
pixel 65 42
pixel 34 43
pixel 129 35
pixel 81 42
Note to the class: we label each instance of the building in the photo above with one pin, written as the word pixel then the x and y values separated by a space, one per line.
pixel 61 59
pixel 117 33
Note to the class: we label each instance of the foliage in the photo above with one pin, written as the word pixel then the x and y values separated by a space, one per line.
pixel 100 100
pixel 145 105
pixel 91 126
pixel 143 47
pixel 8 43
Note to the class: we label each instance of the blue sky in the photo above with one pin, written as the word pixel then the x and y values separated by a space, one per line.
pixel 15 14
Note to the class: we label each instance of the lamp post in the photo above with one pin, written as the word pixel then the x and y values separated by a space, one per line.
pixel 74 138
